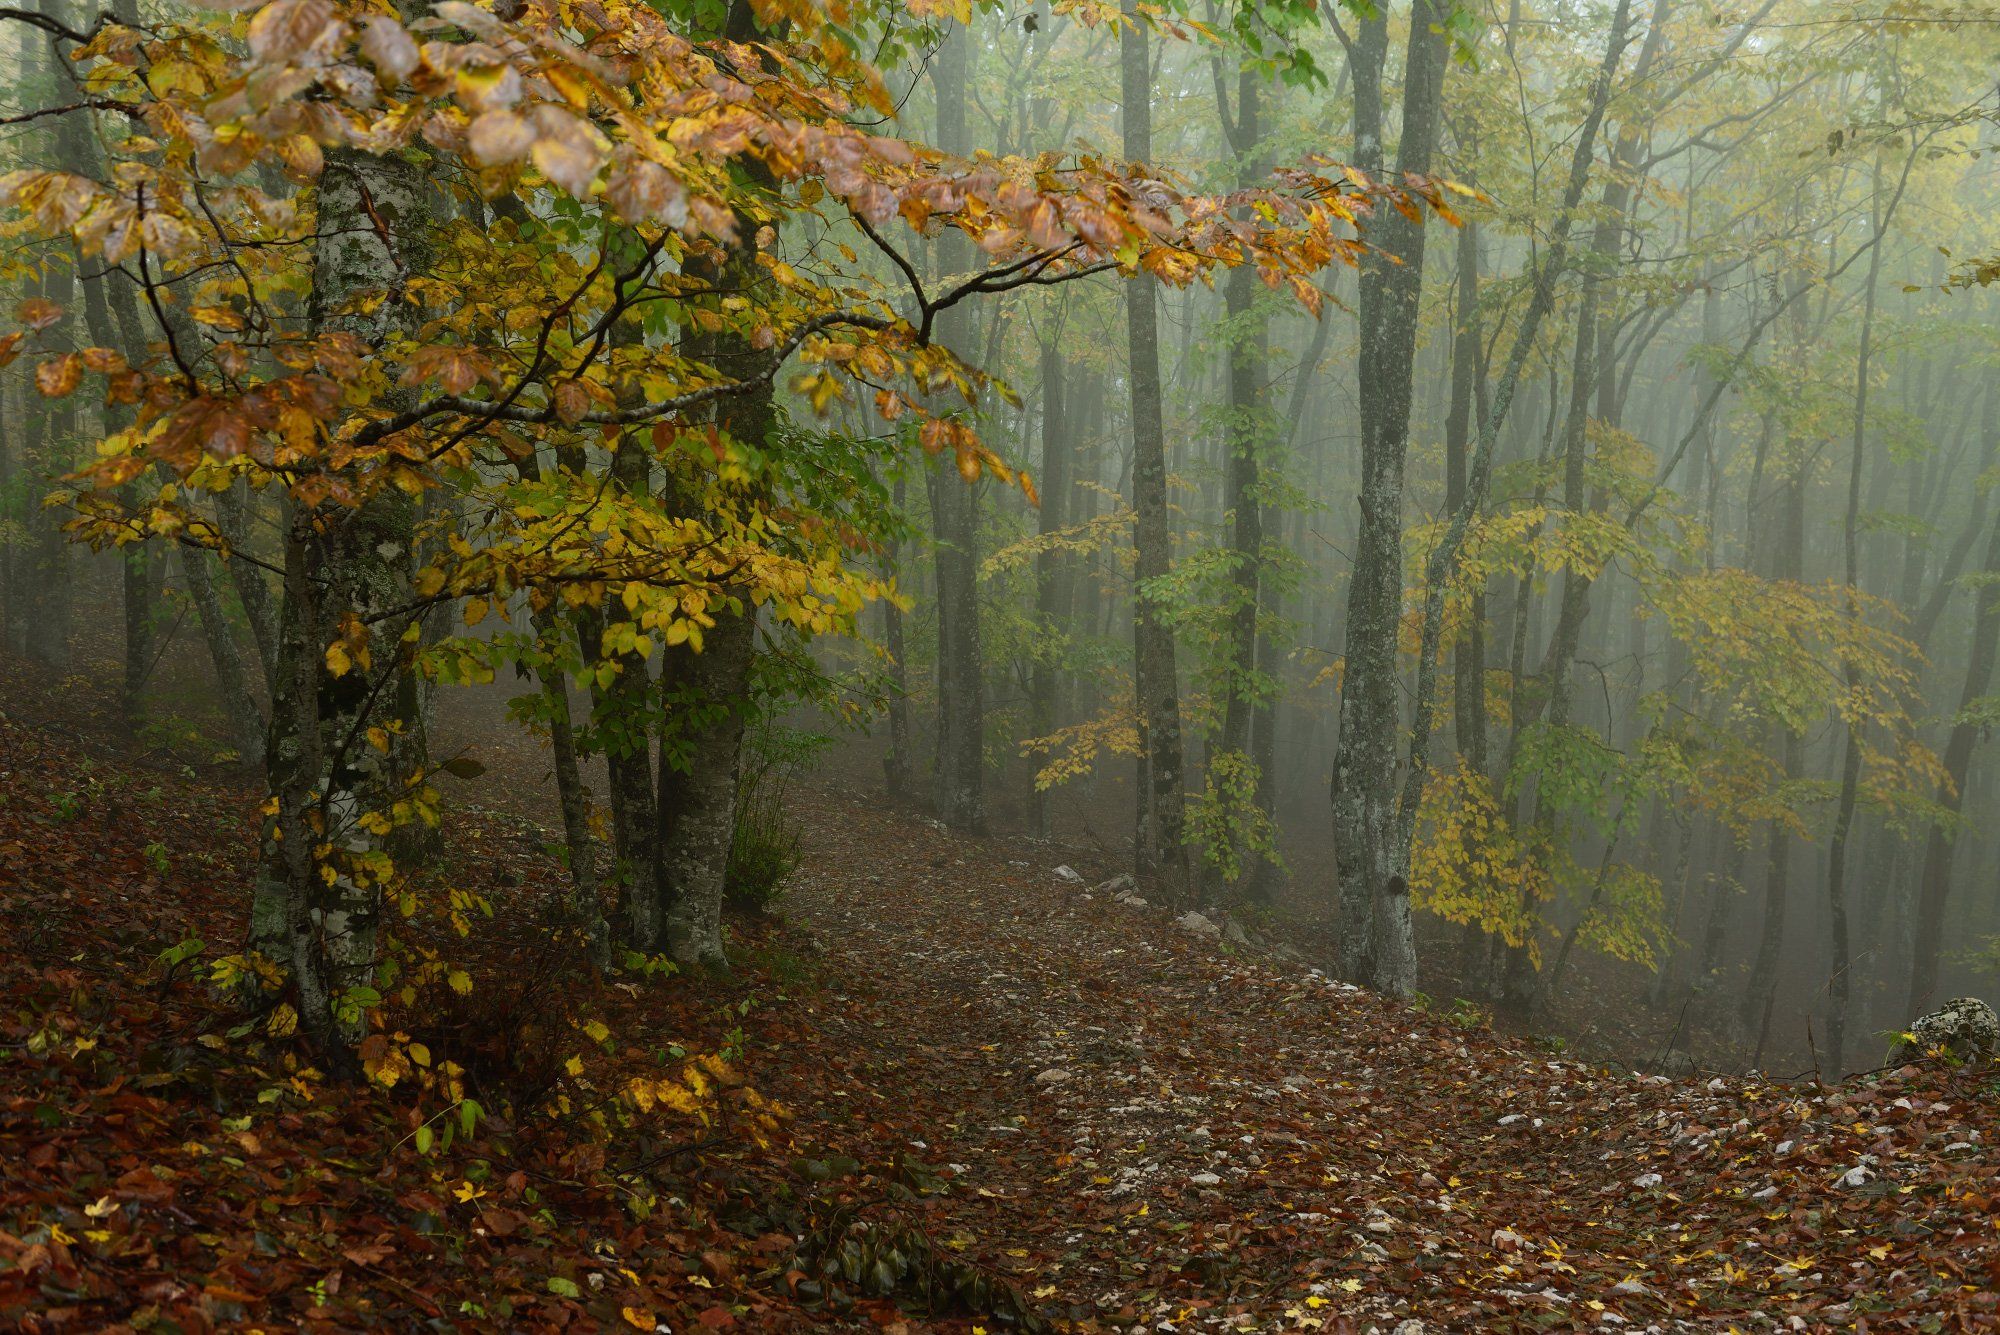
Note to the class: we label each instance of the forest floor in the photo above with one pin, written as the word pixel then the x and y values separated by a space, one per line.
pixel 1010 1103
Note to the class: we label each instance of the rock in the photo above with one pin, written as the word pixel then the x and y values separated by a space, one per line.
pixel 1055 1075
pixel 1069 875
pixel 1964 1028
pixel 1233 933
pixel 1512 1118
pixel 1121 884
pixel 1630 1287
pixel 1647 1181
pixel 1507 1240
pixel 1410 1327
pixel 1200 926
pixel 1205 1180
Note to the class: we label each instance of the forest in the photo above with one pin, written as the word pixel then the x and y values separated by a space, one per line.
pixel 903 665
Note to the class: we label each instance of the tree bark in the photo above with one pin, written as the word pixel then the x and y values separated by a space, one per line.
pixel 374 218
pixel 1839 985
pixel 1159 855
pixel 1934 888
pixel 1376 945
pixel 958 779
pixel 1050 566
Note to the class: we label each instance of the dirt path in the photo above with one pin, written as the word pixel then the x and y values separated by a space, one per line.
pixel 1144 1127
pixel 1138 1128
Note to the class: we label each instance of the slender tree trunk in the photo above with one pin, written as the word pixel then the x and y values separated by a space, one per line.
pixel 1934 887
pixel 1377 948
pixel 898 771
pixel 958 786
pixel 1244 439
pixel 1159 854
pixel 239 708
pixel 1046 683
pixel 1839 985
pixel 621 711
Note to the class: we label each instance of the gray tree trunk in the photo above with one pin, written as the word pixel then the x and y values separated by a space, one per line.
pixel 1157 847
pixel 1376 945
pixel 958 779
pixel 339 561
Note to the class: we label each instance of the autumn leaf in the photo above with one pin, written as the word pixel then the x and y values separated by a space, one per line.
pixel 60 376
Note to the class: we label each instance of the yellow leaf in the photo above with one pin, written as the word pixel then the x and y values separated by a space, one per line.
pixel 639 1318
pixel 460 981
pixel 475 611
pixel 337 661
pixel 574 1066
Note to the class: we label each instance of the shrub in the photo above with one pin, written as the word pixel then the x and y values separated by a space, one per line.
pixel 764 848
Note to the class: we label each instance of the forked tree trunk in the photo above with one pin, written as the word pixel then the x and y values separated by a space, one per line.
pixel 374 218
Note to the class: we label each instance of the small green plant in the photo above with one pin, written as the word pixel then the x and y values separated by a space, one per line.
pixel 764 847
pixel 1466 1014
pixel 68 806
pixel 156 858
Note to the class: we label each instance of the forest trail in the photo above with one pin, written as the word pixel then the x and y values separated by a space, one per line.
pixel 1146 1127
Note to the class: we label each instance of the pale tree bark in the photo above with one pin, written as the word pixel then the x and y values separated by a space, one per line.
pixel 375 214
pixel 1158 852
pixel 1376 944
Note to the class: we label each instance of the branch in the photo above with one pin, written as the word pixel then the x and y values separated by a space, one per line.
pixel 54 27
pixel 488 411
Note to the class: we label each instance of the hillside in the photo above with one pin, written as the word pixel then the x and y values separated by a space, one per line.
pixel 1006 1102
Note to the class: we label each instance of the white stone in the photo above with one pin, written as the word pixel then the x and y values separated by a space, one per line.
pixel 1198 925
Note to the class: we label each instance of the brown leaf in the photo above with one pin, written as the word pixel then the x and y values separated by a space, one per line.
pixel 60 376
pixel 38 313
pixel 288 28
pixel 389 47
pixel 500 138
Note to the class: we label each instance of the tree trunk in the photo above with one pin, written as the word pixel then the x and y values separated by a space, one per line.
pixel 1050 611
pixel 1376 945
pixel 239 708
pixel 374 215
pixel 898 769
pixel 1934 888
pixel 1244 437
pixel 958 780
pixel 1158 853
pixel 1839 985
